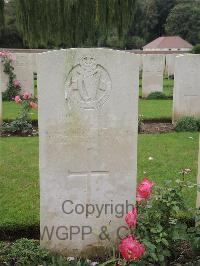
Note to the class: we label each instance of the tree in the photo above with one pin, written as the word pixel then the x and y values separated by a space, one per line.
pixel 1 14
pixel 72 23
pixel 10 36
pixel 163 7
pixel 184 20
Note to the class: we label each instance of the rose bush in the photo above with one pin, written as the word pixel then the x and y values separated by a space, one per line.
pixel 14 85
pixel 161 224
pixel 21 125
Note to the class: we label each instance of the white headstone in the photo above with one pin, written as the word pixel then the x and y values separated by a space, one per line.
pixel 3 78
pixel 186 96
pixel 88 124
pixel 170 62
pixel 152 75
pixel 24 66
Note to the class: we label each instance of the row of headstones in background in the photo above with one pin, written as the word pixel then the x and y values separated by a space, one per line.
pixel 24 67
pixel 88 117
pixel 186 94
pixel 153 67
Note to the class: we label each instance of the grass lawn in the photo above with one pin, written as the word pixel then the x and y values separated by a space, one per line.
pixel 11 110
pixel 168 85
pixel 155 109
pixel 19 198
pixel 150 109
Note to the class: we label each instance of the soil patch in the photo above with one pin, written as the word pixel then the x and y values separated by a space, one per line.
pixel 156 127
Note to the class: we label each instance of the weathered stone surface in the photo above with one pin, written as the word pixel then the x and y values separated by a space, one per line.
pixel 3 78
pixel 24 65
pixel 152 75
pixel 186 96
pixel 88 122
pixel 170 62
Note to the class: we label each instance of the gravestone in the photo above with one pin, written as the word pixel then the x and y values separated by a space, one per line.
pixel 170 62
pixel 3 78
pixel 186 96
pixel 198 181
pixel 152 75
pixel 24 66
pixel 88 124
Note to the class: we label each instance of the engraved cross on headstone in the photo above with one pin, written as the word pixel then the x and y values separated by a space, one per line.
pixel 89 172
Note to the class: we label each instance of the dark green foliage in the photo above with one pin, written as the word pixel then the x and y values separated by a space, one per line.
pixel 18 126
pixel 187 124
pixel 156 95
pixel 184 20
pixel 1 15
pixel 28 252
pixel 10 37
pixel 72 23
pixel 196 49
pixel 23 252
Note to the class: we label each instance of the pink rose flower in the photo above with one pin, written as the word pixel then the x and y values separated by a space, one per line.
pixel 131 218
pixel 18 99
pixel 144 190
pixel 26 95
pixel 131 249
pixel 4 54
pixel 33 105
pixel 16 83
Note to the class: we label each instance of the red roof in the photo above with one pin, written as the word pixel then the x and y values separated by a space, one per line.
pixel 168 42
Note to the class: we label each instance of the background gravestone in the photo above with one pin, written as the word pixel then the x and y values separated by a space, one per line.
pixel 170 62
pixel 24 65
pixel 24 68
pixel 88 126
pixel 186 96
pixel 3 78
pixel 152 75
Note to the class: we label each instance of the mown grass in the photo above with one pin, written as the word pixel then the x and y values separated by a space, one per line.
pixel 19 177
pixel 11 110
pixel 150 109
pixel 155 109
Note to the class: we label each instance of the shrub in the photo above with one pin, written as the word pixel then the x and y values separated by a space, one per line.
pixel 159 222
pixel 196 49
pixel 140 123
pixel 28 252
pixel 13 86
pixel 187 124
pixel 23 252
pixel 21 124
pixel 156 95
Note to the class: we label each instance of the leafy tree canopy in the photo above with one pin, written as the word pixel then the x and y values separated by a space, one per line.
pixel 184 20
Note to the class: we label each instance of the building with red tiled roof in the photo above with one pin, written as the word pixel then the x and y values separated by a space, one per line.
pixel 172 43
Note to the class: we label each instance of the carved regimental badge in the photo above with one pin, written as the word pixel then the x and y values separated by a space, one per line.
pixel 88 84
